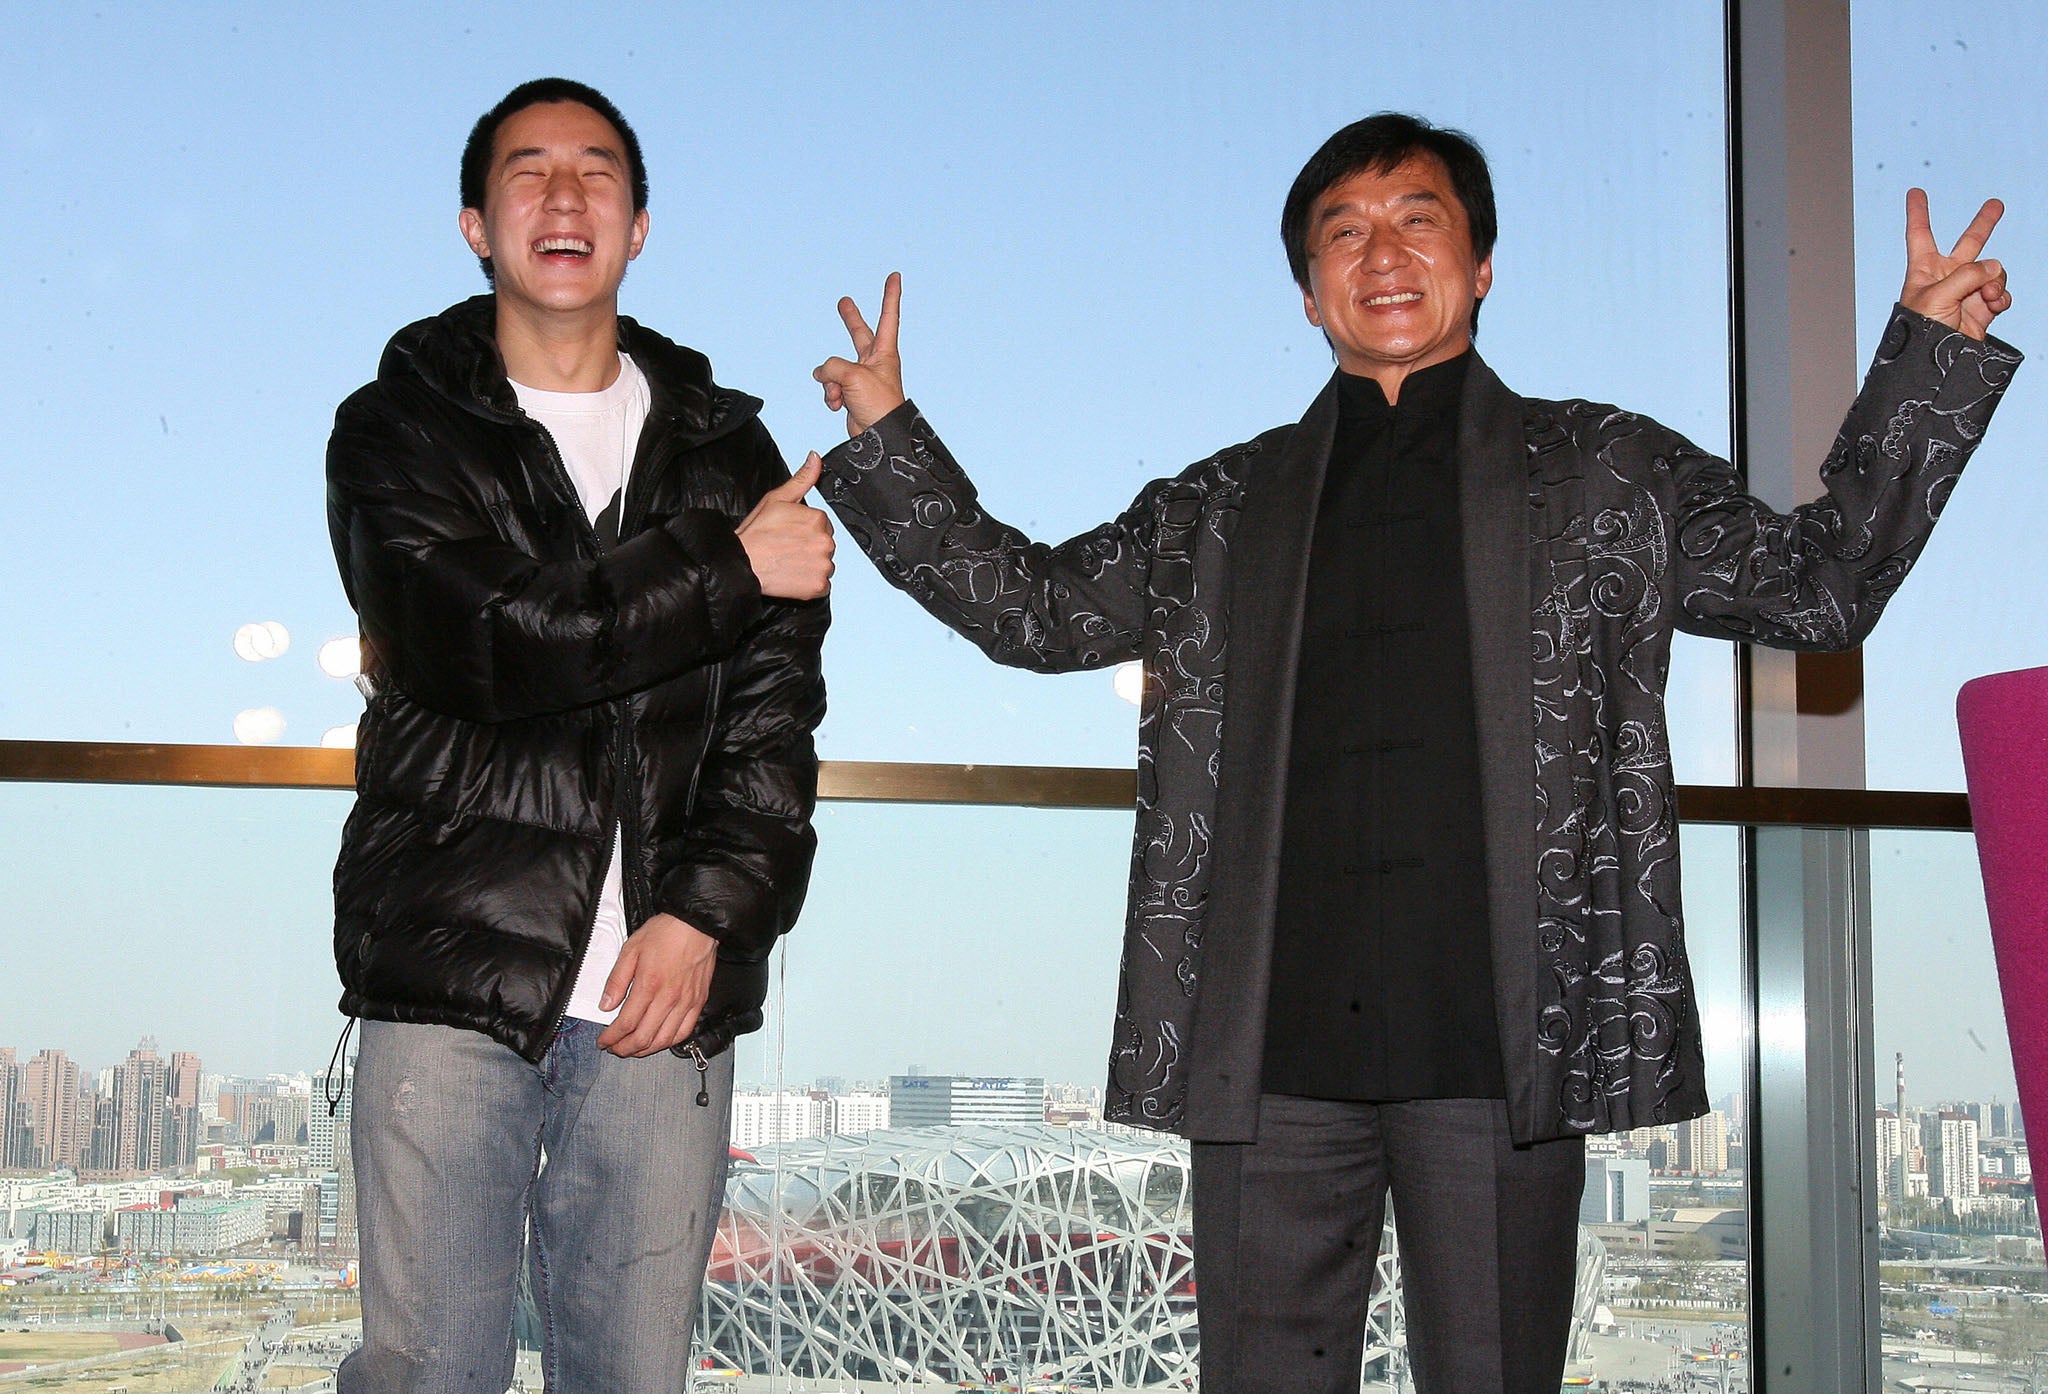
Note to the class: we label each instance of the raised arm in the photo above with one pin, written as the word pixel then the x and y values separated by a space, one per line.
pixel 1818 577
pixel 908 505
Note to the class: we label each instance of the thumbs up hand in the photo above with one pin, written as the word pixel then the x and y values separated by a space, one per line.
pixel 789 543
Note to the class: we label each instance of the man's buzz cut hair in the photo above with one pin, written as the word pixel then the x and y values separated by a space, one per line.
pixel 483 137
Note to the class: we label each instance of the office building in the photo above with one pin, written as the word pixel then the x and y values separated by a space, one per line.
pixel 952 1101
pixel 1617 1191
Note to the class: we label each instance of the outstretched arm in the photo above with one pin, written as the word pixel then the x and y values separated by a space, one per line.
pixel 1818 577
pixel 907 504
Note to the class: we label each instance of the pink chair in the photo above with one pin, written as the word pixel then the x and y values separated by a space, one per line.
pixel 2004 721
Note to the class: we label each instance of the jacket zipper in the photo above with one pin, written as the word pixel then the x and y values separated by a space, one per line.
pixel 623 840
pixel 626 796
pixel 629 518
pixel 604 867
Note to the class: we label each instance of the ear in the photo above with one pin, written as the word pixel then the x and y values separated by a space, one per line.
pixel 1308 307
pixel 471 221
pixel 1482 278
pixel 639 236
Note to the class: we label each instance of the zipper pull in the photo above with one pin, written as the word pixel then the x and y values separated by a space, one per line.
pixel 703 1067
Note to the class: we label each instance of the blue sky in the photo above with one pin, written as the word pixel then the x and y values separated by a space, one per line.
pixel 233 206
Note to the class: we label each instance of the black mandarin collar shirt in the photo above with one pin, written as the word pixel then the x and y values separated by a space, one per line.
pixel 1382 984
pixel 1429 398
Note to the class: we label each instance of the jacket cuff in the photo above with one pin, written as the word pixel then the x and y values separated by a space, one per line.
pixel 1972 373
pixel 732 593
pixel 890 435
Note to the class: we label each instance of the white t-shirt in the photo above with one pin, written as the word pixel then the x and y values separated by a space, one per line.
pixel 596 433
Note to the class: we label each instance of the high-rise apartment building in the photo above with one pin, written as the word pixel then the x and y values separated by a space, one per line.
pixel 141 1089
pixel 327 1119
pixel 1953 1163
pixel 760 1119
pixel 1703 1144
pixel 13 1112
pixel 861 1111
pixel 97 1114
pixel 1890 1147
pixel 345 1198
pixel 50 1089
pixel 262 1112
pixel 328 1224
pixel 183 1079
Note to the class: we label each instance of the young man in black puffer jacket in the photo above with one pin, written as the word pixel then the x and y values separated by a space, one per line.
pixel 591 602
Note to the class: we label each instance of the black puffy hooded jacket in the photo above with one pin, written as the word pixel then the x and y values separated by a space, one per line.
pixel 527 688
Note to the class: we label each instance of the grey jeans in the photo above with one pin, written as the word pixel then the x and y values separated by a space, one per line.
pixel 448 1136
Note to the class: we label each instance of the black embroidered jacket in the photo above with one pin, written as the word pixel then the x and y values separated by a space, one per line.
pixel 1590 534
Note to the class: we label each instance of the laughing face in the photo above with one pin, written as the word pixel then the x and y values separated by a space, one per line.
pixel 1391 273
pixel 558 221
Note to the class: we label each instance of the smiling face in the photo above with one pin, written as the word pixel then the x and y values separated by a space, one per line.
pixel 1392 278
pixel 557 221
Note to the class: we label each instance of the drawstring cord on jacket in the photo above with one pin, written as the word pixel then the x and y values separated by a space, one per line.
pixel 327 1088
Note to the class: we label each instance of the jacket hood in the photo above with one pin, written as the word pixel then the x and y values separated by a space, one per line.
pixel 455 354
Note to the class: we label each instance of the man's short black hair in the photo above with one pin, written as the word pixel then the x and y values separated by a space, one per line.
pixel 483 136
pixel 1378 144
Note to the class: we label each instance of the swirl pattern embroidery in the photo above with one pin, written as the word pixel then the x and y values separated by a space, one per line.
pixel 1638 532
pixel 1633 532
pixel 1149 585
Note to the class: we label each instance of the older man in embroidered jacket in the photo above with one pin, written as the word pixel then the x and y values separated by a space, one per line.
pixel 1374 946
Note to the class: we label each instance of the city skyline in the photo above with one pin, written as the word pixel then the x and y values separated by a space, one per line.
pixel 149 1110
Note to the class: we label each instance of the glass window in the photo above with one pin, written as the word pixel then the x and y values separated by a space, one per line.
pixel 917 1150
pixel 202 918
pixel 1960 1239
pixel 238 210
pixel 1948 104
pixel 1668 1206
pixel 237 213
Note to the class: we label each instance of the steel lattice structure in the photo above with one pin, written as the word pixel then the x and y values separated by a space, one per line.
pixel 1017 1254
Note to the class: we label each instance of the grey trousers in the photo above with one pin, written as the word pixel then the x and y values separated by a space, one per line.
pixel 1287 1229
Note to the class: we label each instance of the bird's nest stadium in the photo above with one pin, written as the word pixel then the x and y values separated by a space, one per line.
pixel 1024 1256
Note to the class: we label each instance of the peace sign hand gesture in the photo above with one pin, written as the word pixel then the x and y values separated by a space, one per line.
pixel 1957 289
pixel 872 387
